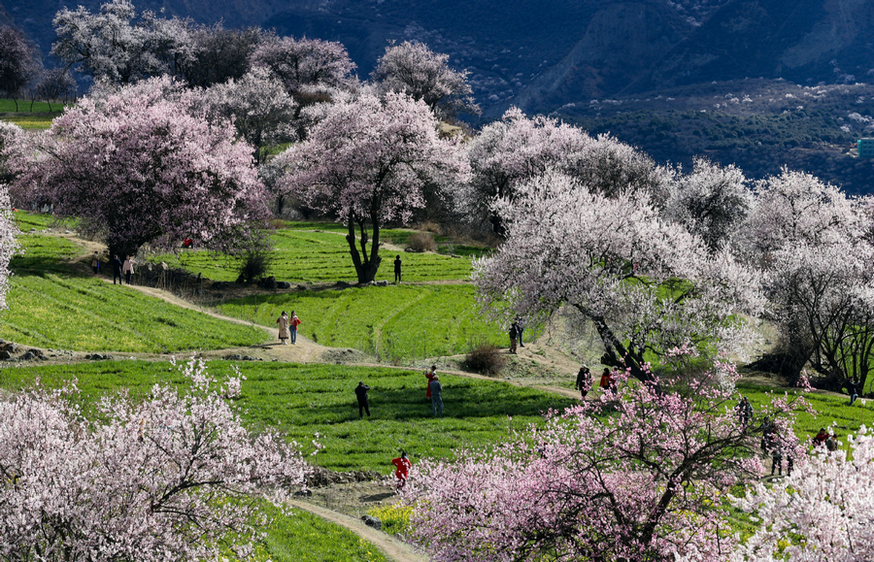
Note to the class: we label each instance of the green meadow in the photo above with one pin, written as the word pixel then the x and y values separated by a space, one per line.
pixel 396 322
pixel 319 253
pixel 310 402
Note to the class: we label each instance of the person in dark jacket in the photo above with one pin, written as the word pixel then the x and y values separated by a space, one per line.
pixel 514 333
pixel 361 394
pixel 116 269
pixel 398 269
pixel 852 390
pixel 584 381
pixel 436 395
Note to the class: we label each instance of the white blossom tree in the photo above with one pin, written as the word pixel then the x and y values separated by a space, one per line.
pixel 646 284
pixel 259 107
pixel 301 63
pixel 413 68
pixel 366 163
pixel 812 244
pixel 824 510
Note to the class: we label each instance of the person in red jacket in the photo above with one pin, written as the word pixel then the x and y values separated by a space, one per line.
pixel 402 469
pixel 430 376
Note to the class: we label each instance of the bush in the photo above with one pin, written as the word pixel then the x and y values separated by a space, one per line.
pixel 422 242
pixel 256 262
pixel 395 518
pixel 485 359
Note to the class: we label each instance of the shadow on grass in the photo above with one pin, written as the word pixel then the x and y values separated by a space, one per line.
pixel 40 265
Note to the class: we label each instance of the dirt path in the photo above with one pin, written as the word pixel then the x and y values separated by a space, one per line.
pixel 392 548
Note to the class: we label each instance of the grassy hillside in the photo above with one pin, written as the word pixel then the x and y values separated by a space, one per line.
pixel 394 322
pixel 52 306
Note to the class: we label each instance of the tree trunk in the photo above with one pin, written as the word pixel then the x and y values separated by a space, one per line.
pixel 365 268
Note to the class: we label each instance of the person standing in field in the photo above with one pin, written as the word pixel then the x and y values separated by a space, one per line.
pixel 398 269
pixel 361 395
pixel 514 333
pixel 128 269
pixel 116 268
pixel 436 395
pixel 402 469
pixel 430 376
pixel 292 325
pixel 283 327
pixel 95 263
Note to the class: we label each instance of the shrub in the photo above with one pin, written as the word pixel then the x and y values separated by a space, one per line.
pixel 485 359
pixel 431 226
pixel 395 518
pixel 422 242
pixel 255 264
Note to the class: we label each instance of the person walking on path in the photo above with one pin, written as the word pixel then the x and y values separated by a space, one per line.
pixel 283 327
pixel 116 269
pixel 430 376
pixel 606 380
pixel 436 395
pixel 514 333
pixel 584 381
pixel 361 395
pixel 398 268
pixel 128 268
pixel 402 469
pixel 95 263
pixel 520 328
pixel 293 324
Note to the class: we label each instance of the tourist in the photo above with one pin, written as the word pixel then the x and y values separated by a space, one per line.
pixel 361 395
pixel 402 469
pixel 584 381
pixel 520 328
pixel 283 327
pixel 430 376
pixel 95 263
pixel 398 269
pixel 514 333
pixel 116 269
pixel 293 324
pixel 436 395
pixel 128 268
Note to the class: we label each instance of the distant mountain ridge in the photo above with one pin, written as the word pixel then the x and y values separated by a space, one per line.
pixel 542 54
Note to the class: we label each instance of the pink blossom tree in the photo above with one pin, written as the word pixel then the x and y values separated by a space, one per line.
pixel 171 477
pixel 367 162
pixel 301 63
pixel 824 510
pixel 646 284
pixel 413 68
pixel 154 175
pixel 636 475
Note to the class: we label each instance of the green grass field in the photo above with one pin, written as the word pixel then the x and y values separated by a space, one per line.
pixel 319 253
pixel 309 400
pixel 40 117
pixel 395 322
pixel 303 537
pixel 52 307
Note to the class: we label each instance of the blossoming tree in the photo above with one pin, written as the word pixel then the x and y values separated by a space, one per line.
pixel 422 74
pixel 646 284
pixel 171 477
pixel 367 162
pixel 157 174
pixel 637 475
pixel 824 510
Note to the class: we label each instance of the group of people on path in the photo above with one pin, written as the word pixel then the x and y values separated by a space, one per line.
pixel 288 327
pixel 583 383
pixel 433 392
pixel 119 268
